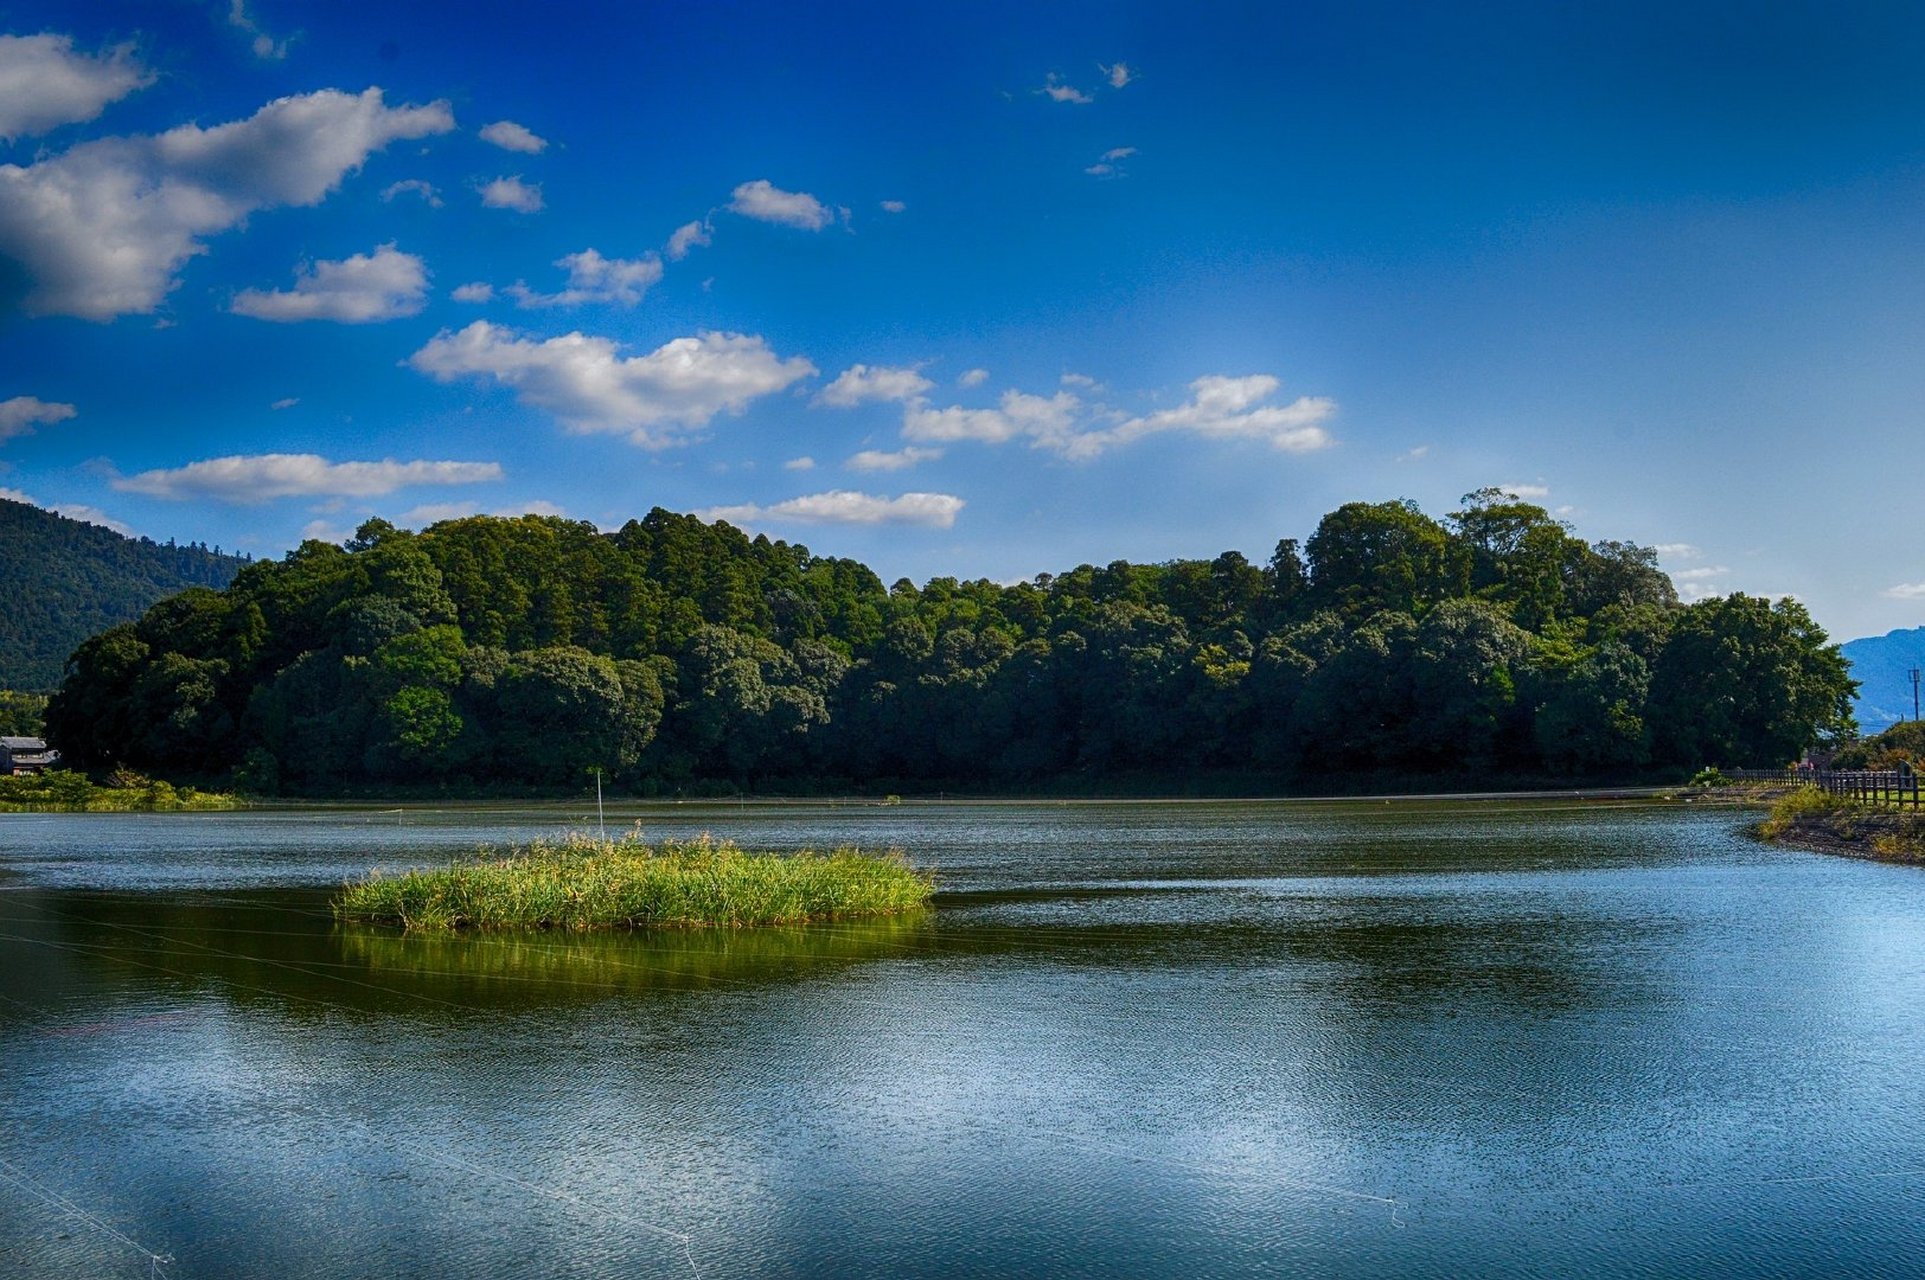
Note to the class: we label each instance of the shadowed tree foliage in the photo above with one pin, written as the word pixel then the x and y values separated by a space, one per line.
pixel 673 652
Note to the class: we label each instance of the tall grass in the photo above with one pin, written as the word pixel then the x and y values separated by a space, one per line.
pixel 62 791
pixel 584 882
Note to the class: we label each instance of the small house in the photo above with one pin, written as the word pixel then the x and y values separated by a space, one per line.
pixel 20 756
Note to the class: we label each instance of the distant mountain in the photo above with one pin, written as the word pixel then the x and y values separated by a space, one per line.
pixel 1880 664
pixel 63 580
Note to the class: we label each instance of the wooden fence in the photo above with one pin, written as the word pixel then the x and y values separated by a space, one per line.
pixel 1898 788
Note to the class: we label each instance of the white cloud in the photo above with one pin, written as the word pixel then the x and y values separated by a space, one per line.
pixel 862 384
pixel 1118 75
pixel 1119 153
pixel 893 206
pixel 1045 421
pixel 264 476
pixel 1413 454
pixel 384 285
pixel 473 291
pixel 1524 491
pixel 265 47
pixel 1905 591
pixel 845 506
pixel 323 531
pixel 804 463
pixel 766 202
pixel 20 415
pixel 973 378
pixel 1081 381
pixel 656 400
pixel 512 193
pixel 510 136
pixel 593 278
pixel 1100 170
pixel 45 84
pixel 690 235
pixel 412 187
pixel 71 510
pixel 102 228
pixel 900 460
pixel 1678 551
pixel 1056 91
pixel 286 403
pixel 435 512
pixel 1700 574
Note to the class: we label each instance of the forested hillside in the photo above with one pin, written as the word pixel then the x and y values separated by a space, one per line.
pixel 63 580
pixel 674 652
pixel 1882 666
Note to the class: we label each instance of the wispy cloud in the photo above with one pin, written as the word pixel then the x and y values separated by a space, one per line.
pixel 412 187
pixel 973 378
pixel 593 278
pixel 804 463
pixel 1678 551
pixel 265 47
pixel 263 477
pixel 435 512
pixel 1525 491
pixel 1118 74
pixel 690 235
pixel 845 506
pixel 1903 591
pixel 285 402
pixel 899 460
pixel 1056 91
pixel 893 206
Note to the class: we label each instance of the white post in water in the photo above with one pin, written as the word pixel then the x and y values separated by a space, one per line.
pixel 600 817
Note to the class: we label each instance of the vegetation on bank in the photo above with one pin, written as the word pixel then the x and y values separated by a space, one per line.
pixel 60 790
pixel 21 714
pixel 1809 817
pixel 675 655
pixel 1901 745
pixel 583 882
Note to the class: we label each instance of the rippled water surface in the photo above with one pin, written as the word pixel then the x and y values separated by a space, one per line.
pixel 1340 1039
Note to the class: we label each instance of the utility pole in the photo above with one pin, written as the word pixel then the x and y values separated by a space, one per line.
pixel 1913 673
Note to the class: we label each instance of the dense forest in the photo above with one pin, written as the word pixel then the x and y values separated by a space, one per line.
pixel 677 654
pixel 64 580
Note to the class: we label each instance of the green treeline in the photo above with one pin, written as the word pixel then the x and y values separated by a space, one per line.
pixel 674 653
pixel 63 580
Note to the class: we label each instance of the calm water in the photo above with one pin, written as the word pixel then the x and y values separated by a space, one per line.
pixel 1349 1039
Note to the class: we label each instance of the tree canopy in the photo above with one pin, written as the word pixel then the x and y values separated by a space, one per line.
pixel 675 652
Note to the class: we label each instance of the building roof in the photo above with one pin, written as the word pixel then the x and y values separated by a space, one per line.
pixel 23 744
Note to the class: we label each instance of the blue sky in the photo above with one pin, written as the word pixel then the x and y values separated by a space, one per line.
pixel 984 290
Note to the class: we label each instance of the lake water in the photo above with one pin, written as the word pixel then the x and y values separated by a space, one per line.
pixel 1308 1039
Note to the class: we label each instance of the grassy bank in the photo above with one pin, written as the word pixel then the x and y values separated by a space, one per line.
pixel 1809 818
pixel 59 791
pixel 581 882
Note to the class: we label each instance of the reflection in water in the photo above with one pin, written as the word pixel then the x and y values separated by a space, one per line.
pixel 1129 1040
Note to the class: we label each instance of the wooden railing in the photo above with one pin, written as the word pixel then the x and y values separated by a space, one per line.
pixel 1898 788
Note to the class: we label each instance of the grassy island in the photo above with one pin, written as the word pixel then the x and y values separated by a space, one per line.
pixel 1809 818
pixel 582 882
pixel 60 791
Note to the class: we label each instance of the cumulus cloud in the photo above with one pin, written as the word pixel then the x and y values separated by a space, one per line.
pixel 593 278
pixel 766 202
pixel 20 415
pixel 262 477
pixel 690 235
pixel 900 460
pixel 384 285
pixel 102 228
pixel 973 378
pixel 804 463
pixel 412 187
pixel 893 206
pixel 1056 91
pixel 861 384
pixel 656 400
pixel 435 512
pixel 512 193
pixel 845 506
pixel 1044 420
pixel 1118 75
pixel 473 291
pixel 45 84
pixel 510 136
